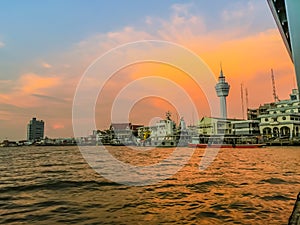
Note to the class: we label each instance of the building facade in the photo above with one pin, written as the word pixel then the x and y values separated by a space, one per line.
pixel 282 120
pixel 35 130
pixel 246 128
pixel 123 133
pixel 252 114
pixel 163 133
pixel 228 127
pixel 215 126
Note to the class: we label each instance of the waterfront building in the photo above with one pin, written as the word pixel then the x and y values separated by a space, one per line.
pixel 282 120
pixel 226 132
pixel 222 89
pixel 163 128
pixel 210 126
pixel 245 127
pixel 163 133
pixel 120 133
pixel 215 126
pixel 252 114
pixel 35 130
pixel 123 133
pixel 102 137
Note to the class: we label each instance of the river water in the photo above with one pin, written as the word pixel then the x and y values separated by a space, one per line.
pixel 55 185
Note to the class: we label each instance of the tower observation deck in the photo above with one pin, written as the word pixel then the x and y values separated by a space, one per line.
pixel 222 89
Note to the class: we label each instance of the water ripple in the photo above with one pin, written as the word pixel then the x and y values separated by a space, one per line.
pixel 41 186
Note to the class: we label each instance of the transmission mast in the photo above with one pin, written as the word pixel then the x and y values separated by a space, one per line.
pixel 247 103
pixel 275 96
pixel 242 98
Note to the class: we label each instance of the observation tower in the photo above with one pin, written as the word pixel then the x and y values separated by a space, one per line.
pixel 222 89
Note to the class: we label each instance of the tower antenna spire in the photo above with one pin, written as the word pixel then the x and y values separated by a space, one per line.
pixel 276 99
pixel 221 70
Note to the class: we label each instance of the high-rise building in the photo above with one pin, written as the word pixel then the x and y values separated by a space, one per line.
pixel 222 89
pixel 35 130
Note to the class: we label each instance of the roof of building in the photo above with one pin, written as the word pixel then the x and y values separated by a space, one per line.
pixel 124 126
pixel 219 118
pixel 120 126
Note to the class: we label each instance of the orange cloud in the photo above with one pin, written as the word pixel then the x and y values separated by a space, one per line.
pixel 28 91
pixel 58 126
pixel 250 55
pixel 46 65
pixel 30 83
pixel 149 107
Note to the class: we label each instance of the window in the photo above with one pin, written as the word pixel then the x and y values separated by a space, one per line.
pixel 266 119
pixel 283 118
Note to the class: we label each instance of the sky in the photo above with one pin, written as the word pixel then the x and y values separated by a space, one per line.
pixel 47 46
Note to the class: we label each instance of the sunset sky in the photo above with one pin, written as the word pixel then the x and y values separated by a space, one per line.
pixel 46 46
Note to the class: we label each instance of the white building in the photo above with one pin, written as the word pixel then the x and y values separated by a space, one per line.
pixel 282 120
pixel 162 133
pixel 220 126
pixel 215 126
pixel 245 127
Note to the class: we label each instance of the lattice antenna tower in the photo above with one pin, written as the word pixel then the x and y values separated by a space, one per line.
pixel 242 97
pixel 275 96
pixel 247 102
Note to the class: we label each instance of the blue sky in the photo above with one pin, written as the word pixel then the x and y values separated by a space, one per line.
pixel 33 29
pixel 50 43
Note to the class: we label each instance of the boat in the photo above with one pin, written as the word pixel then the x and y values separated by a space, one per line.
pixel 205 141
pixel 191 145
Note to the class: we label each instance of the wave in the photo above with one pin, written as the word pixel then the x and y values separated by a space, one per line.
pixel 58 185
pixel 276 198
pixel 273 180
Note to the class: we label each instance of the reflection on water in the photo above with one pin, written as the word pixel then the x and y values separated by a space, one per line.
pixel 54 185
